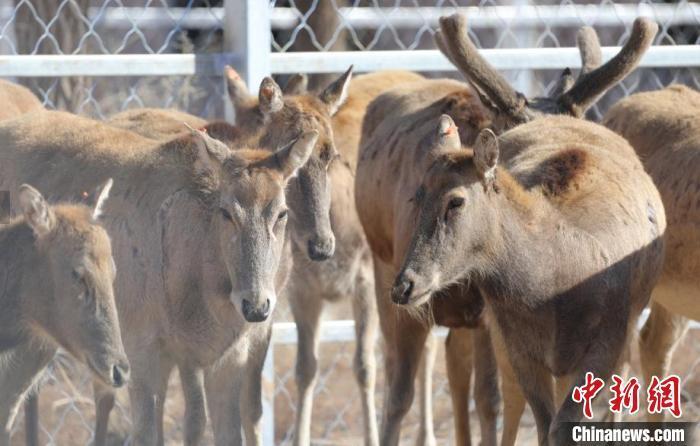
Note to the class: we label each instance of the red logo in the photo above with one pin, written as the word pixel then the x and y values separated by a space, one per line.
pixel 661 395
pixel 626 396
pixel 585 393
pixel 665 395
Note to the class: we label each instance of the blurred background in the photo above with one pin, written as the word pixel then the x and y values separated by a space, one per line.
pixel 99 57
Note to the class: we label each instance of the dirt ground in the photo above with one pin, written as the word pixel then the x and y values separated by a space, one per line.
pixel 67 410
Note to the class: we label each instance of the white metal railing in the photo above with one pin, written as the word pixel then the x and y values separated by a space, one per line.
pixel 321 62
pixel 404 17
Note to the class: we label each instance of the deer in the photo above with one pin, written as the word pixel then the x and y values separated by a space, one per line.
pixel 198 233
pixel 398 137
pixel 662 127
pixel 57 283
pixel 348 273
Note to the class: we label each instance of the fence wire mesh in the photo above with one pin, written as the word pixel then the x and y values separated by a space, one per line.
pixel 31 27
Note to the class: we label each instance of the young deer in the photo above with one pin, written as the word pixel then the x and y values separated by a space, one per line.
pixel 663 128
pixel 57 292
pixel 199 233
pixel 347 274
pixel 398 141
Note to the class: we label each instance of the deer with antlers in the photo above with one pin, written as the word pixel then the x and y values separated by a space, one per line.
pixel 402 144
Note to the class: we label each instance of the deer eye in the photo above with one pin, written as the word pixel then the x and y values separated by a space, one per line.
pixel 454 203
pixel 282 215
pixel 225 214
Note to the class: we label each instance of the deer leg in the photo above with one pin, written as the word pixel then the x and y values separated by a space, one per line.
pixel 104 402
pixel 486 394
pixel 459 358
pixel 223 387
pixel 403 357
pixel 150 369
pixel 660 336
pixel 601 363
pixel 404 339
pixel 251 401
pixel 536 383
pixel 513 397
pixel 192 380
pixel 20 371
pixel 365 367
pixel 307 313
pixel 426 434
pixel 601 405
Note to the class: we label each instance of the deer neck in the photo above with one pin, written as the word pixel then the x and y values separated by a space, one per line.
pixel 538 254
pixel 24 281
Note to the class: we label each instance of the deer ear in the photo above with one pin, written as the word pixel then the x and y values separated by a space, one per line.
pixel 36 210
pixel 297 84
pixel 335 94
pixel 486 156
pixel 295 154
pixel 448 134
pixel 237 88
pixel 270 96
pixel 102 194
pixel 210 154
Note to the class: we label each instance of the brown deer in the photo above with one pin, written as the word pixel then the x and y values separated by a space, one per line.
pixel 663 128
pixel 57 281
pixel 198 234
pixel 348 272
pixel 398 139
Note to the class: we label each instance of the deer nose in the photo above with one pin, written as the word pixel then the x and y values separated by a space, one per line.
pixel 120 374
pixel 321 248
pixel 255 313
pixel 402 290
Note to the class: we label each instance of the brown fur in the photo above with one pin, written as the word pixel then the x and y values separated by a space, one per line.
pixel 17 100
pixel 56 259
pixel 392 162
pixel 348 273
pixel 606 220
pixel 558 174
pixel 177 294
pixel 663 128
pixel 398 145
pixel 155 123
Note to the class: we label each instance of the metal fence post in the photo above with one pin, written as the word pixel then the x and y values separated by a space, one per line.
pixel 247 34
pixel 268 395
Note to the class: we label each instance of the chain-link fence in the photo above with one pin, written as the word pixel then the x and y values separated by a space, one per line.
pixel 98 57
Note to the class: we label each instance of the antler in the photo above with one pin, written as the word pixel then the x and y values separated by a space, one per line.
pixel 457 46
pixel 439 40
pixel 589 49
pixel 590 85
